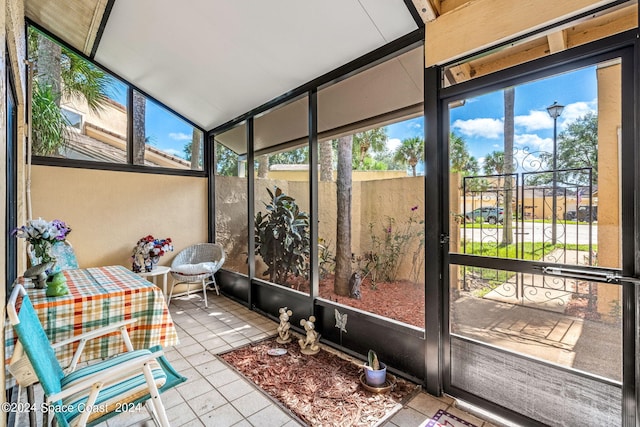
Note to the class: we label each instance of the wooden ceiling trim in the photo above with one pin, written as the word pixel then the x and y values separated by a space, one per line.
pixel 480 24
pixel 575 35
pixel 70 20
pixel 602 26
pixel 459 73
pixel 557 41
pixel 426 9
pixel 96 22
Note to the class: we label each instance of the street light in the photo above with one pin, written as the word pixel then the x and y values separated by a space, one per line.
pixel 554 111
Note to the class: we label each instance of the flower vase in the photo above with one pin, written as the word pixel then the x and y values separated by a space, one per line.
pixel 150 263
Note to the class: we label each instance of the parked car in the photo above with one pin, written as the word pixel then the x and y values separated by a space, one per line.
pixel 584 214
pixel 488 214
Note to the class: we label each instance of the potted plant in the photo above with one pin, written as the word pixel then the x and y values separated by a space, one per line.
pixel 375 372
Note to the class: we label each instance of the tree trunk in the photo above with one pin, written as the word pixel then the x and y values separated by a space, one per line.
pixel 139 138
pixel 195 149
pixel 343 229
pixel 509 106
pixel 49 65
pixel 263 166
pixel 326 161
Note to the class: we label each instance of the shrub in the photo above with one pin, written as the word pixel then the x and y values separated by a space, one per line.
pixel 282 238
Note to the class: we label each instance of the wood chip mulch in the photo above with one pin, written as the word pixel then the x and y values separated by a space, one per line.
pixel 322 389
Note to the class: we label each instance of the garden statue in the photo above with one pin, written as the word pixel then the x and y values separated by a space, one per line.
pixel 38 274
pixel 354 286
pixel 309 345
pixel 283 328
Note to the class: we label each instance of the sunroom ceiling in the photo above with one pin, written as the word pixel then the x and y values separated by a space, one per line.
pixel 212 60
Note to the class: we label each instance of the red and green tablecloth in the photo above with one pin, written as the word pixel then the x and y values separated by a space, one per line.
pixel 97 297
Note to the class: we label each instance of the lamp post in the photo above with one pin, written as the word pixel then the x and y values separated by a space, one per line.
pixel 554 111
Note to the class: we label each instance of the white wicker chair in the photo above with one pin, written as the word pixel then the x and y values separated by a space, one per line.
pixel 197 264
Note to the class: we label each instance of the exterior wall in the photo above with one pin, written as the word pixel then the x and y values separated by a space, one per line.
pixel 373 202
pixel 13 29
pixel 392 200
pixel 609 217
pixel 303 175
pixel 231 221
pixel 3 178
pixel 112 116
pixel 109 211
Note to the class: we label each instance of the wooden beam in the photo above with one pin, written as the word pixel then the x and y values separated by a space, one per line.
pixel 94 26
pixel 581 33
pixel 480 24
pixel 425 9
pixel 557 41
pixel 459 73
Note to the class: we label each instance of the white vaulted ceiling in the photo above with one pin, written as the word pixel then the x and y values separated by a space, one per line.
pixel 213 60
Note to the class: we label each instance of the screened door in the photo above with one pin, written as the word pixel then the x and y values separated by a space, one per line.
pixel 538 239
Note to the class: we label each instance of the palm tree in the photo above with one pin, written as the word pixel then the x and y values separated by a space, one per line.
pixel 326 160
pixel 509 129
pixel 60 73
pixel 372 139
pixel 461 160
pixel 343 226
pixel 139 131
pixel 494 163
pixel 196 158
pixel 410 152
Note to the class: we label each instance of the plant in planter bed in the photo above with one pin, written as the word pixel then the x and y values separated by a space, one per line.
pixel 282 238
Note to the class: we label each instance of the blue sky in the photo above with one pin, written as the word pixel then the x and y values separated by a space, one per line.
pixel 480 121
pixel 164 130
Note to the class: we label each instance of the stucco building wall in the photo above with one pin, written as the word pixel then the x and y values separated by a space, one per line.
pixel 109 211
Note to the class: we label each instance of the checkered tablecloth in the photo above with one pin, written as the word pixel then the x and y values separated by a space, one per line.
pixel 97 297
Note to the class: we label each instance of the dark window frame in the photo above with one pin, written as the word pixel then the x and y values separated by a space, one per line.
pixel 11 175
pixel 119 167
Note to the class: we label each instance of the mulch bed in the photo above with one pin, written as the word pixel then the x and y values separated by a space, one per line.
pixel 322 389
pixel 401 300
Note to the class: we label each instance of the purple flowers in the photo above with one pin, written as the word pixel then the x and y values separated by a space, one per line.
pixel 37 230
pixel 62 227
pixel 42 234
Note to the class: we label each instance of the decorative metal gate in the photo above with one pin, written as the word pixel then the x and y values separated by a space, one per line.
pixel 553 219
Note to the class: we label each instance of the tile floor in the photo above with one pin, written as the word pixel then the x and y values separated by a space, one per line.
pixel 216 395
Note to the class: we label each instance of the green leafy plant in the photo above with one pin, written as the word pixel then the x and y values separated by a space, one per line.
pixel 326 258
pixel 49 124
pixel 389 251
pixel 282 238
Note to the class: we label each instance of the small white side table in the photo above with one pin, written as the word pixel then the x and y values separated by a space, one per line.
pixel 160 270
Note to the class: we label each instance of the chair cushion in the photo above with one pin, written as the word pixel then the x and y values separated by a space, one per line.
pixel 114 396
pixel 195 269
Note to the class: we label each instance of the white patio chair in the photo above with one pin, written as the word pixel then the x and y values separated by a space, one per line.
pixel 197 264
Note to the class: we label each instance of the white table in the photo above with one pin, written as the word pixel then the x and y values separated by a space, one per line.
pixel 160 270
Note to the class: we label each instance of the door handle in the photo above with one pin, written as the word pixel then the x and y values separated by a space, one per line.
pixel 590 275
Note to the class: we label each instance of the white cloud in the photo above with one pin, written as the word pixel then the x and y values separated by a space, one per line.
pixel 179 136
pixel 533 143
pixel 486 128
pixel 393 143
pixel 574 111
pixel 530 146
pixel 535 120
